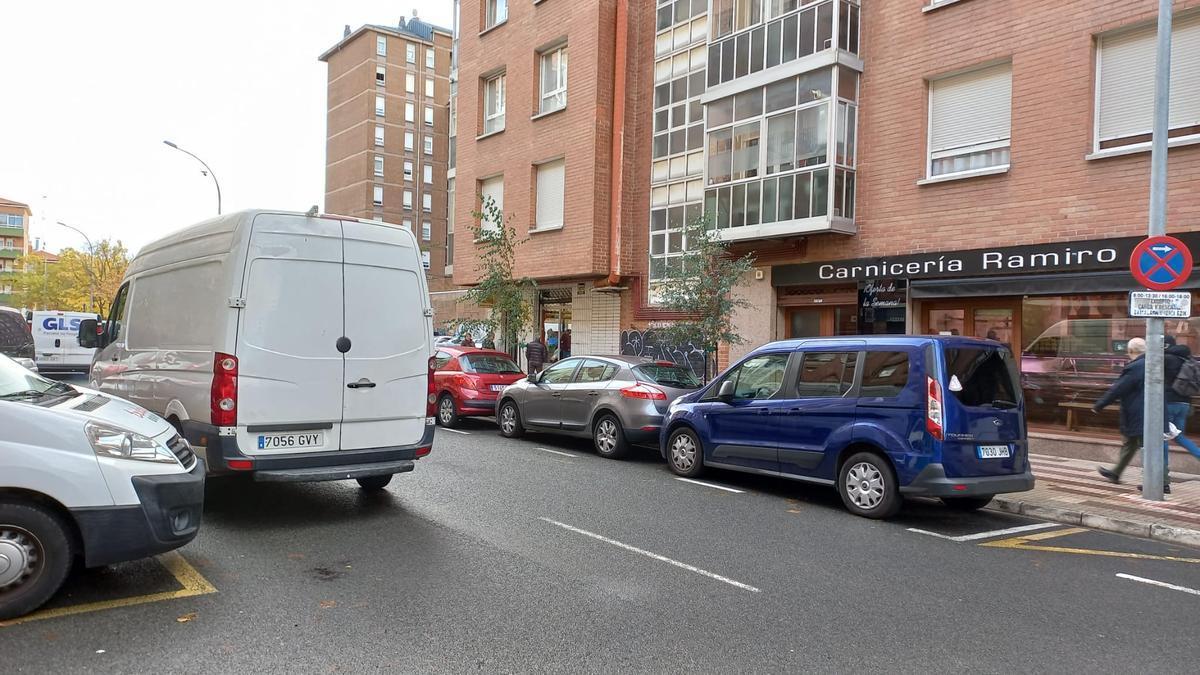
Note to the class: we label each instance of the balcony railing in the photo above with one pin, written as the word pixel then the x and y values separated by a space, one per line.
pixel 799 33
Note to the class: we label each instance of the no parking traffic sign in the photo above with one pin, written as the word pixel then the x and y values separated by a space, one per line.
pixel 1161 263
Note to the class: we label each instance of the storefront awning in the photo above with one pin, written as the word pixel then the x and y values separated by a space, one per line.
pixel 1034 284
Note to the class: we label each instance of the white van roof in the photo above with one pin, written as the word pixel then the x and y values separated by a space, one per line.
pixel 212 237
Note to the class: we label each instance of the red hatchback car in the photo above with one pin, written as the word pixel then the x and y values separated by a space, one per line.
pixel 468 380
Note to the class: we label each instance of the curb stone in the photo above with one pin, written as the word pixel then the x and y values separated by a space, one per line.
pixel 1156 531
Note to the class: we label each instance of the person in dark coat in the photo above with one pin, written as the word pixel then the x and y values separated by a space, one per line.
pixel 1179 407
pixel 1129 389
pixel 535 355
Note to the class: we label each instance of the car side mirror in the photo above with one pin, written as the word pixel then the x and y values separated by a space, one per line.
pixel 88 334
pixel 726 393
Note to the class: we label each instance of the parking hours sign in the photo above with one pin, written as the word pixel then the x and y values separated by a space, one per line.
pixel 1160 264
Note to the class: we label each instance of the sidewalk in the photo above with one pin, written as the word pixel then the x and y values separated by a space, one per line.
pixel 1070 491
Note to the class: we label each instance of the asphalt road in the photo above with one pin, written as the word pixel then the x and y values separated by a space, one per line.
pixel 536 555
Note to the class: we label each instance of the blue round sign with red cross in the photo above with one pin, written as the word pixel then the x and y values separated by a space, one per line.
pixel 1161 263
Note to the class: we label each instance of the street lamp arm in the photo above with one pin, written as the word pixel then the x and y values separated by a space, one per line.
pixel 206 168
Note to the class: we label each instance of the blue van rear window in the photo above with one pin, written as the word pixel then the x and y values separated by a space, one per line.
pixel 885 374
pixel 986 375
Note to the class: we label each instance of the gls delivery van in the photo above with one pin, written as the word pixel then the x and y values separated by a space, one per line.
pixel 290 346
pixel 55 339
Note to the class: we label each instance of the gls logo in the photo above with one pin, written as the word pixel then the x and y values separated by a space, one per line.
pixel 62 324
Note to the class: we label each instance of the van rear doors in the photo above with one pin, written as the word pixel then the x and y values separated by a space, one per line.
pixel 984 413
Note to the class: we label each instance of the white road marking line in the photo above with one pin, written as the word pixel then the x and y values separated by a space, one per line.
pixel 456 431
pixel 1164 584
pixel 655 556
pixel 988 535
pixel 556 452
pixel 718 487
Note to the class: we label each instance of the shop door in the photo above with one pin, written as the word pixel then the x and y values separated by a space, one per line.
pixel 822 321
pixel 994 320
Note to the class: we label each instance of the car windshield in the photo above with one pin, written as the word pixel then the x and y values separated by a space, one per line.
pixel 985 376
pixel 17 382
pixel 490 364
pixel 668 375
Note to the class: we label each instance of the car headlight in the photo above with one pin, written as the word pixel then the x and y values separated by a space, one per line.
pixel 110 441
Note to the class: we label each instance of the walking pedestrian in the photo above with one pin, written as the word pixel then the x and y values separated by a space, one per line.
pixel 1129 390
pixel 489 340
pixel 1179 362
pixel 564 344
pixel 468 341
pixel 535 355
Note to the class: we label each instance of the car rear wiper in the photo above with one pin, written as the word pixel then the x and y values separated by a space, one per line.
pixel 1003 404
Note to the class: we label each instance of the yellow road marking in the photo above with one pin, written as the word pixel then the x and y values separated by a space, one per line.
pixel 1022 543
pixel 189 579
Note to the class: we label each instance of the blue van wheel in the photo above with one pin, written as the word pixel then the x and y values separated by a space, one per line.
pixel 685 455
pixel 867 485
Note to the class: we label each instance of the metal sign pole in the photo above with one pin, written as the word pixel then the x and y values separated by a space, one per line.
pixel 1153 473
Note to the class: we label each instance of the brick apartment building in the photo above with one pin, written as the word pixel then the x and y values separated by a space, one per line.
pixel 959 166
pixel 14 241
pixel 388 131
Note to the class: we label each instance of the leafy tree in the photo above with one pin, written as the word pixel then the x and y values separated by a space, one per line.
pixel 71 283
pixel 700 285
pixel 507 299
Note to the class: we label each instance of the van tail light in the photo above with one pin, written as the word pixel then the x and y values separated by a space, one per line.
pixel 934 419
pixel 431 388
pixel 223 397
pixel 644 391
pixel 423 451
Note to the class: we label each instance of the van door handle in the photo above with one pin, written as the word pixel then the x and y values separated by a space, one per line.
pixel 593 393
pixel 363 383
pixel 556 395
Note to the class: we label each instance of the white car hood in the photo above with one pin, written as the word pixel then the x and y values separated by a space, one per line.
pixel 117 412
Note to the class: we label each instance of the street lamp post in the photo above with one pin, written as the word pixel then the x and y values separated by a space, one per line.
pixel 87 267
pixel 208 171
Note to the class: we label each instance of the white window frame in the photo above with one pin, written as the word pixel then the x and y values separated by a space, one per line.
pixel 429 57
pixel 494 123
pixel 408 199
pixel 488 226
pixel 931 156
pixel 427 174
pixel 426 230
pixel 380 45
pixel 379 136
pixel 409 141
pixel 377 195
pixel 407 224
pixel 550 223
pixel 428 141
pixel 427 202
pixel 410 83
pixel 425 260
pixel 556 98
pixel 378 165
pixel 410 111
pixel 408 170
pixel 380 106
pixel 428 115
pixel 381 76
pixel 495 13
pixel 429 87
pixel 410 52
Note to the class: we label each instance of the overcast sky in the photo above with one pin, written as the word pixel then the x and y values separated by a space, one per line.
pixel 91 89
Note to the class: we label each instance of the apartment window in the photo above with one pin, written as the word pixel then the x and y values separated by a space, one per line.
pixel 381 45
pixel 429 87
pixel 408 200
pixel 969 121
pixel 378 165
pixel 410 83
pixel 450 222
pixel 429 115
pixel 410 111
pixel 429 57
pixel 409 141
pixel 427 173
pixel 1125 87
pixel 381 75
pixel 551 188
pixel 379 136
pixel 377 197
pixel 407 224
pixel 428 142
pixel 426 230
pixel 730 16
pixel 497 13
pixel 554 80
pixel 410 53
pixel 408 170
pixel 427 202
pixel 493 104
pixel 379 106
pixel 492 188
pixel 425 259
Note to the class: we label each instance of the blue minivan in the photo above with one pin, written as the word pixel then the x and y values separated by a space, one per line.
pixel 877 417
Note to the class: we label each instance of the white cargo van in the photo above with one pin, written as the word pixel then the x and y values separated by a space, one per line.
pixel 55 339
pixel 289 346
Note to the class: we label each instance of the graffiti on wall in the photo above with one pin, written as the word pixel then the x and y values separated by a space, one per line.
pixel 648 344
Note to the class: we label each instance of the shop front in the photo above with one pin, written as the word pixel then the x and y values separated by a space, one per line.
pixel 1061 308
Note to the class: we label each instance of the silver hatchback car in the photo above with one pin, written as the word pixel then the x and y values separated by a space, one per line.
pixel 615 400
